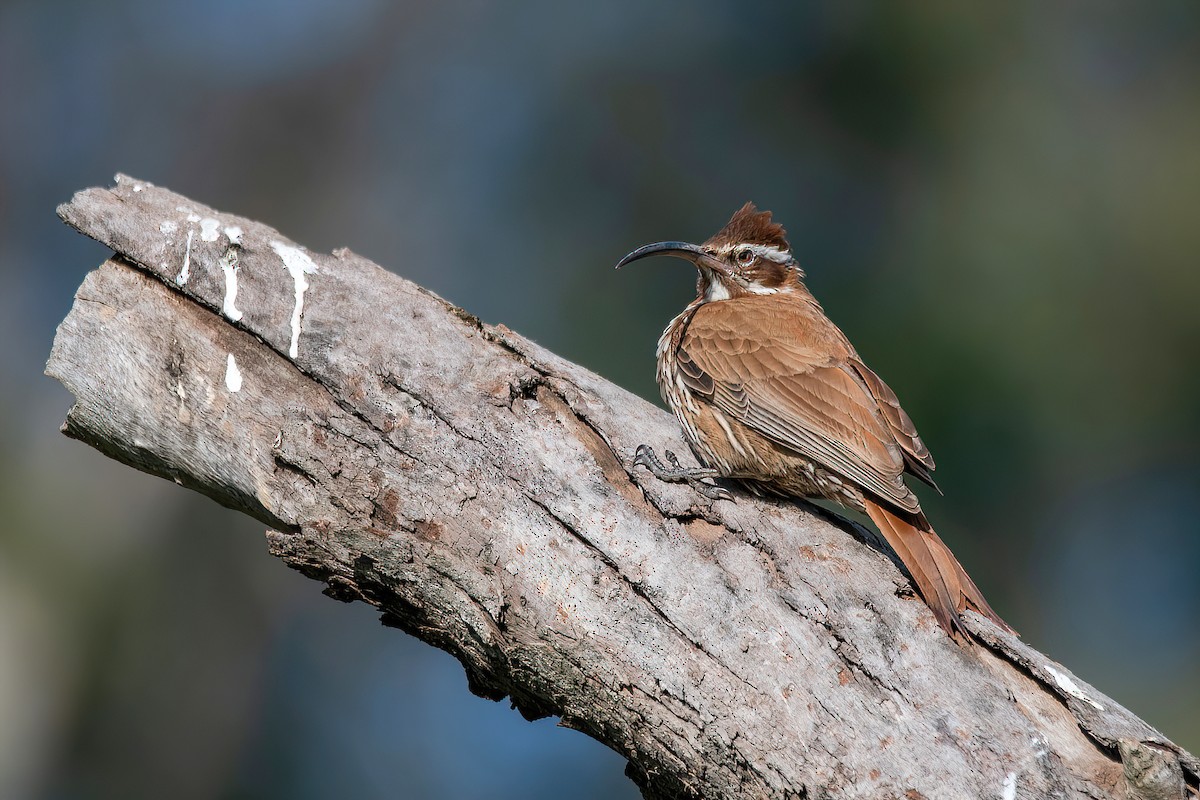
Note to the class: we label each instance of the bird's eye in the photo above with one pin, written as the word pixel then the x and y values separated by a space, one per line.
pixel 744 257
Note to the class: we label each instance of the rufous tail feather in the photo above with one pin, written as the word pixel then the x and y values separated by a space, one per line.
pixel 941 580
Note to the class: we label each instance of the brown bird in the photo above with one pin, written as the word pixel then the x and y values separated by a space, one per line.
pixel 771 393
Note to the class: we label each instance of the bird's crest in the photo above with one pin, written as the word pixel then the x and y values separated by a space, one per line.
pixel 751 226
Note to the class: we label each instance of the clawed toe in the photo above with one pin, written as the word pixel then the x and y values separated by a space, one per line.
pixel 677 473
pixel 711 490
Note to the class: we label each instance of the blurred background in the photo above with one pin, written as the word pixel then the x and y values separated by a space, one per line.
pixel 1000 205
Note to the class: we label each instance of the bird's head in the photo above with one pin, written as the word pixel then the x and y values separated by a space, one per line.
pixel 749 256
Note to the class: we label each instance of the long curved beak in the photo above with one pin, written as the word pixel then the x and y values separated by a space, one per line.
pixel 688 252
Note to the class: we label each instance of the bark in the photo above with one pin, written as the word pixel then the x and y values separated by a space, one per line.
pixel 477 489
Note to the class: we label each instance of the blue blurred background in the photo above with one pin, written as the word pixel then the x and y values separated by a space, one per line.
pixel 1000 204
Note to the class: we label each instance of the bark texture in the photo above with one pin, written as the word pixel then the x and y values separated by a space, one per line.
pixel 477 490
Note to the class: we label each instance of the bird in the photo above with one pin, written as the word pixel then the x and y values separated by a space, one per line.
pixel 771 394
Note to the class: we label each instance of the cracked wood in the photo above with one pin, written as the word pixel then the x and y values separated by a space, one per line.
pixel 476 489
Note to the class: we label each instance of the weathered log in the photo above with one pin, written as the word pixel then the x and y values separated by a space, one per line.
pixel 477 489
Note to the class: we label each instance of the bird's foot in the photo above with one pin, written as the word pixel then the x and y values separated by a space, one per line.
pixel 676 473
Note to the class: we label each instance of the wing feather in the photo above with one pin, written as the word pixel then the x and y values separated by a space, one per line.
pixel 901 424
pixel 809 394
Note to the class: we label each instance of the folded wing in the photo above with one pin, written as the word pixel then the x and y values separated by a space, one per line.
pixel 808 393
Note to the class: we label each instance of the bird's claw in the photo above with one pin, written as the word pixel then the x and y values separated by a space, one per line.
pixel 677 473
pixel 711 490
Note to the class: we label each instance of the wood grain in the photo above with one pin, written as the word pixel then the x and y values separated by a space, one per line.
pixel 476 489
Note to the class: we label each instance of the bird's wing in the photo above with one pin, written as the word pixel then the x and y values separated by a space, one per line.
pixel 920 460
pixel 799 385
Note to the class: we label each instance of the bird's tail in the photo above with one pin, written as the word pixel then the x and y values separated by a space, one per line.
pixel 941 580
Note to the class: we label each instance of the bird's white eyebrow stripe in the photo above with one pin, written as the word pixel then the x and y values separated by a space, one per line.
pixel 767 252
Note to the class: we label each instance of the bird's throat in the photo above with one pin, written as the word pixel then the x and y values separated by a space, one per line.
pixel 715 290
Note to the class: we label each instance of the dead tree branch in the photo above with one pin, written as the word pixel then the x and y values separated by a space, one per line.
pixel 476 489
